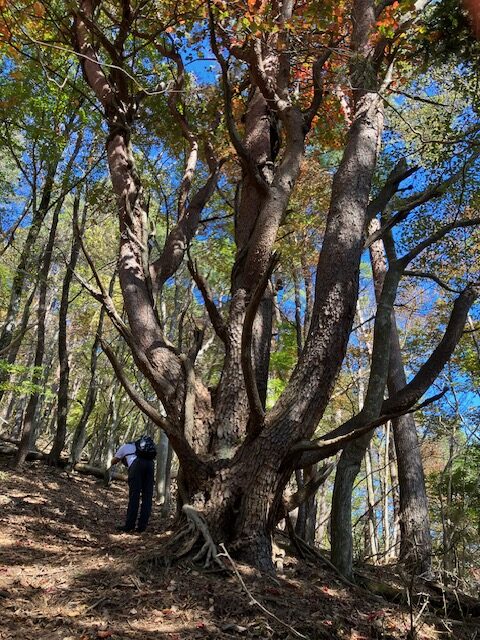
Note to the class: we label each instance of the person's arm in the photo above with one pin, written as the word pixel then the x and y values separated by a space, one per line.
pixel 119 455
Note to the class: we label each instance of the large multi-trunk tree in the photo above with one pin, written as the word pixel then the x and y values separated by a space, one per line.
pixel 279 61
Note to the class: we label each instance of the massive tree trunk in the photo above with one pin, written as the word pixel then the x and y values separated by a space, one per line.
pixel 244 495
pixel 237 482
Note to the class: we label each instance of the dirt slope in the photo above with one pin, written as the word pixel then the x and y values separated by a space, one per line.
pixel 65 574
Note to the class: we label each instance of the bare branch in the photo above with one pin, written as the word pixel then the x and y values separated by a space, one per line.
pixel 406 206
pixel 317 98
pixel 102 295
pixel 316 450
pixel 178 440
pixel 92 68
pixel 180 236
pixel 435 237
pixel 431 276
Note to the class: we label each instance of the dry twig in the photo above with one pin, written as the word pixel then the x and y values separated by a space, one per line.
pixel 253 600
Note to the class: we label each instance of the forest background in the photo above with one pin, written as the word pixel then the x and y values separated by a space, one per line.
pixel 273 165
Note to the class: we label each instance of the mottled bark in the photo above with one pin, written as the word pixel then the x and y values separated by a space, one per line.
pixel 232 407
pixel 347 470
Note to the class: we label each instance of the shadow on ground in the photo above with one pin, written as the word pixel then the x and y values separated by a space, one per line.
pixel 65 574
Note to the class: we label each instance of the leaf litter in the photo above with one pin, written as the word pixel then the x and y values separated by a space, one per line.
pixel 65 574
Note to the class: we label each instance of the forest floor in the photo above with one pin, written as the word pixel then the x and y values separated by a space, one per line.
pixel 66 575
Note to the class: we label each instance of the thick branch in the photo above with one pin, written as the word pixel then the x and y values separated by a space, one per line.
pixel 256 408
pixel 213 313
pixel 179 238
pixel 408 396
pixel 426 375
pixel 399 173
pixel 317 98
pixel 179 443
pixel 431 276
pixel 89 60
pixel 242 152
pixel 317 450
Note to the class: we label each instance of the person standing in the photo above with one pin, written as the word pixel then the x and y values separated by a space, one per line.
pixel 138 456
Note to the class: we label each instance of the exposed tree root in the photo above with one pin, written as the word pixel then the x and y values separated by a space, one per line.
pixel 199 526
pixel 185 541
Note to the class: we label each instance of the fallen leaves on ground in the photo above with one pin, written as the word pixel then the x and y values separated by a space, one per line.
pixel 66 575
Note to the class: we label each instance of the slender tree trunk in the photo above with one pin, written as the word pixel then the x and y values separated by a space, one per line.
pixel 298 316
pixel 163 473
pixel 24 268
pixel 415 542
pixel 62 395
pixel 310 508
pixel 385 487
pixel 351 460
pixel 14 345
pixel 29 421
pixel 301 523
pixel 341 517
pixel 27 256
pixel 448 527
pixel 80 434
pixel 372 550
pixel 42 307
pixel 393 468
pixel 323 516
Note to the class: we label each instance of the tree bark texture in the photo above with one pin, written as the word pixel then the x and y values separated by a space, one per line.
pixel 415 540
pixel 236 458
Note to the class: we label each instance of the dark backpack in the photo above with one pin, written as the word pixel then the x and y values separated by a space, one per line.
pixel 145 448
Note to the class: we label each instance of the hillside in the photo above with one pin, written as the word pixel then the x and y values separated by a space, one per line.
pixel 65 574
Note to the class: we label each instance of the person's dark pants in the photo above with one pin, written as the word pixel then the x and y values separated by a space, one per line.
pixel 140 483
